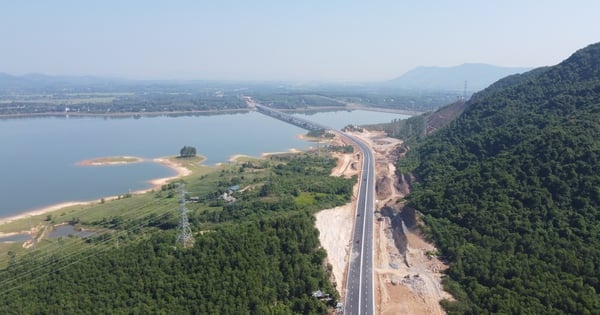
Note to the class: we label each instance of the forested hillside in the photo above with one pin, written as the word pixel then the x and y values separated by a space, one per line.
pixel 511 193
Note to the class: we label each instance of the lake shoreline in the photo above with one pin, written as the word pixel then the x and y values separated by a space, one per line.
pixel 226 135
pixel 157 183
pixel 211 112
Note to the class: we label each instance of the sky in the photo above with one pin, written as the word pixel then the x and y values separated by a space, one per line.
pixel 300 40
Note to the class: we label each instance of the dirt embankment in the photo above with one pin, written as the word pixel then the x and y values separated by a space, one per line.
pixel 407 272
pixel 335 225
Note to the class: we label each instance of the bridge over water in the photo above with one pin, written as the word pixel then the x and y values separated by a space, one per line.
pixel 296 121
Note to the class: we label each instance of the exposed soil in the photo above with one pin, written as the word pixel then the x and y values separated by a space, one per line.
pixel 335 225
pixel 444 116
pixel 407 273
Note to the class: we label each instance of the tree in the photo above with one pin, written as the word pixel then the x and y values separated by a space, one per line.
pixel 187 152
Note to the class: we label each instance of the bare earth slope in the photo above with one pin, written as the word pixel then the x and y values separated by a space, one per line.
pixel 407 273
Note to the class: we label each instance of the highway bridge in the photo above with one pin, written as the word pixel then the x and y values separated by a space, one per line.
pixel 296 121
pixel 359 296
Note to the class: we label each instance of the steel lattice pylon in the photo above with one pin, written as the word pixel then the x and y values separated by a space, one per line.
pixel 184 235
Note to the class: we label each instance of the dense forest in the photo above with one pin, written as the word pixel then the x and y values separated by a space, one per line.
pixel 257 254
pixel 510 191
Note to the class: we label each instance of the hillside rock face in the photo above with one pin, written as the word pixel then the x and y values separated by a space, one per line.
pixel 511 191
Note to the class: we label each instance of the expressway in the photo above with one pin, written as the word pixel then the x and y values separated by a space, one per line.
pixel 359 297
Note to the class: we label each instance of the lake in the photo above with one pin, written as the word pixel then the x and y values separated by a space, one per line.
pixel 39 156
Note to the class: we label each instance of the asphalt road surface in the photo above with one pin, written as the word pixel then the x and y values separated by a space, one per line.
pixel 359 287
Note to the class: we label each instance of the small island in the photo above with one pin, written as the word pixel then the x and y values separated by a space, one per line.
pixel 187 152
pixel 111 160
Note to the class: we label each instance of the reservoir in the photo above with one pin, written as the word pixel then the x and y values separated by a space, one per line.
pixel 38 164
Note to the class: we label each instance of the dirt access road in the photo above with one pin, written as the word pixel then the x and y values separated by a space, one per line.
pixel 407 273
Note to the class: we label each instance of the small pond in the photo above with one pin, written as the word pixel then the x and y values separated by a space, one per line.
pixel 69 230
pixel 15 238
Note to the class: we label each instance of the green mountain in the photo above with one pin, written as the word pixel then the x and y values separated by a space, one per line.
pixel 510 191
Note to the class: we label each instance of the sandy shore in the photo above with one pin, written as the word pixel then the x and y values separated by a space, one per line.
pixel 292 150
pixel 180 170
pixel 156 184
pixel 237 157
pixel 41 211
pixel 112 160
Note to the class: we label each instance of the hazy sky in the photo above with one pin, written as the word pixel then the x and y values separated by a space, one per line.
pixel 316 40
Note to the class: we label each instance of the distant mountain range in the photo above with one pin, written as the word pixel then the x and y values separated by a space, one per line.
pixel 477 75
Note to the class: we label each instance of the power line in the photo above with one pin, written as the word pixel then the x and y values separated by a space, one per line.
pixel 63 261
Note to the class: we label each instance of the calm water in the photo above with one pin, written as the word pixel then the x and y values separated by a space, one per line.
pixel 340 119
pixel 15 238
pixel 68 230
pixel 39 155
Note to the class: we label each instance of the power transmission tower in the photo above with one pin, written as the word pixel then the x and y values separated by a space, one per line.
pixel 184 235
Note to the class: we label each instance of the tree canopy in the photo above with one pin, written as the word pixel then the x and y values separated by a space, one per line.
pixel 187 151
pixel 511 193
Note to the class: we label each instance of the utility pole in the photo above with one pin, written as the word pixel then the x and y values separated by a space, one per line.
pixel 184 235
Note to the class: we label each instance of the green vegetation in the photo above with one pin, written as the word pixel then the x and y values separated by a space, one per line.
pixel 340 148
pixel 511 193
pixel 187 152
pixel 259 254
pixel 278 190
pixel 269 266
pixel 296 100
pixel 321 133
